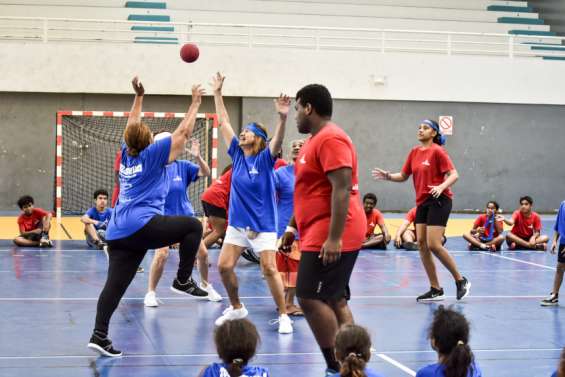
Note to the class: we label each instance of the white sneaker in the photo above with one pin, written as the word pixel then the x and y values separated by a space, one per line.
pixel 151 300
pixel 230 314
pixel 285 324
pixel 213 295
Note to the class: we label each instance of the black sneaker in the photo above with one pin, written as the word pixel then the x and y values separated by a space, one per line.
pixel 551 300
pixel 433 294
pixel 463 288
pixel 410 246
pixel 103 346
pixel 190 287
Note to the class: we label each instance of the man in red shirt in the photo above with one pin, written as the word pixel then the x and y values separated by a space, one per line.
pixel 374 218
pixel 329 216
pixel 405 237
pixel 526 228
pixel 34 224
pixel 487 230
pixel 215 202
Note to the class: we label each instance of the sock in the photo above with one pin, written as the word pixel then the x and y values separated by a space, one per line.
pixel 100 334
pixel 329 356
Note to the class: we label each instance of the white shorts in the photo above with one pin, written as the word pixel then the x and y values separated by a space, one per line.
pixel 263 241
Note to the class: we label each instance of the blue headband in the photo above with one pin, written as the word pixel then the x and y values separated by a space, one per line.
pixel 256 130
pixel 442 139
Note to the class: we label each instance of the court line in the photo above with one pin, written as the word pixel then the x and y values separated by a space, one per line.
pixel 518 260
pixel 400 366
pixel 358 271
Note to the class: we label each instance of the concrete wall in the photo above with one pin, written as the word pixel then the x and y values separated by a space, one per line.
pixel 553 12
pixel 501 151
pixel 27 140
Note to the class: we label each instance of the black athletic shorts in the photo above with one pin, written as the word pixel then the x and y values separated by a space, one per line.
pixel 212 210
pixel 434 211
pixel 326 283
pixel 561 253
pixel 36 237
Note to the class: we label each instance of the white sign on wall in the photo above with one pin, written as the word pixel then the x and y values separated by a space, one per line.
pixel 446 124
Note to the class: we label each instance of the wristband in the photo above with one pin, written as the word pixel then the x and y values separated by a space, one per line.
pixel 290 229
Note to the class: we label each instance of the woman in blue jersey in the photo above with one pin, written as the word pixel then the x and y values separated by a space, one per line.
pixel 449 336
pixel 137 223
pixel 557 246
pixel 252 217
pixel 353 351
pixel 236 343
pixel 180 174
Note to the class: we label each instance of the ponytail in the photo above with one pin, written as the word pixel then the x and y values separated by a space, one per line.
pixel 235 368
pixel 353 366
pixel 458 362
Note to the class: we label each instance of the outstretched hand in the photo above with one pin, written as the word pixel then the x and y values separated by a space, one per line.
pixel 137 86
pixel 217 82
pixel 195 147
pixel 282 104
pixel 379 174
pixel 197 93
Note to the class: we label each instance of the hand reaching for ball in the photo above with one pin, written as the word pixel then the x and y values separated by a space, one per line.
pixel 137 86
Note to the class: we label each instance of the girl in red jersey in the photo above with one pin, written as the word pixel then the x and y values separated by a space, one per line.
pixel 433 175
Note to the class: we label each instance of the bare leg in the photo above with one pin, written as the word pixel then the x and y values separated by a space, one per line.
pixel 408 236
pixel 23 242
pixel 374 242
pixel 342 312
pixel 542 239
pixel 226 266
pixel 474 240
pixel 426 256
pixel 218 230
pixel 91 231
pixel 157 267
pixel 520 243
pixel 558 277
pixel 46 225
pixel 273 278
pixel 435 234
pixel 203 263
pixel 497 241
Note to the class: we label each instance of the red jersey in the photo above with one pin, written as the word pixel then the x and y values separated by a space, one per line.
pixel 218 194
pixel 116 190
pixel 411 215
pixel 481 222
pixel 373 219
pixel 279 163
pixel 524 227
pixel 428 168
pixel 31 222
pixel 328 150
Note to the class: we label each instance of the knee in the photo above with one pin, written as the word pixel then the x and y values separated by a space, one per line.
pixel 561 267
pixel 162 255
pixel 423 244
pixel 16 241
pixel 269 270
pixel 225 267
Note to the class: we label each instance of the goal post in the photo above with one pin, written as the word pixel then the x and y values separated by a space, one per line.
pixel 87 143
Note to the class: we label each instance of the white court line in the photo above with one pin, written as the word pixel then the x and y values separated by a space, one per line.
pixel 518 260
pixel 359 271
pixel 400 366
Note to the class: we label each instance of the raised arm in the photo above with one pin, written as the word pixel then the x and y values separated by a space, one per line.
pixel 134 119
pixel 282 105
pixel 185 128
pixel 223 118
pixel 204 169
pixel 380 174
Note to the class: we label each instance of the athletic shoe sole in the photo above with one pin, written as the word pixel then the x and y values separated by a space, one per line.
pixel 437 298
pixel 468 290
pixel 102 351
pixel 286 331
pixel 178 291
pixel 151 305
pixel 549 303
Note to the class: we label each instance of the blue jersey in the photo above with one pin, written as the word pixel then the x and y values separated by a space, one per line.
pixel 102 217
pixel 252 194
pixel 180 175
pixel 368 372
pixel 284 184
pixel 437 370
pixel 219 370
pixel 560 223
pixel 143 188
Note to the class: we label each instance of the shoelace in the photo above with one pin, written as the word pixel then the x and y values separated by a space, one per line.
pixel 278 320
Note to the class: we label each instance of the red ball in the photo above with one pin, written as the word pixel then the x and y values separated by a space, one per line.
pixel 189 52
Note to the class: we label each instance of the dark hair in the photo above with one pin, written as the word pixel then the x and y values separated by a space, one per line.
pixel 353 349
pixel 100 192
pixel 527 198
pixel 137 136
pixel 319 97
pixel 494 203
pixel 371 196
pixel 561 367
pixel 438 139
pixel 24 201
pixel 236 342
pixel 449 333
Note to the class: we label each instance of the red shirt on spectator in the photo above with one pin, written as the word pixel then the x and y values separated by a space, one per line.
pixel 428 167
pixel 218 194
pixel 524 227
pixel 330 149
pixel 31 222
pixel 373 219
pixel 481 222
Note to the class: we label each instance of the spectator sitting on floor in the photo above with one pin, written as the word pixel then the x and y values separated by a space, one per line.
pixel 96 220
pixel 526 228
pixel 34 224
pixel 374 218
pixel 487 230
pixel 405 237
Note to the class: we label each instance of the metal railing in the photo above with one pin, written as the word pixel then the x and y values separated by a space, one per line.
pixel 46 30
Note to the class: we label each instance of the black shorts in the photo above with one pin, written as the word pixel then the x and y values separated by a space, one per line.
pixel 212 210
pixel 434 212
pixel 561 253
pixel 36 237
pixel 326 283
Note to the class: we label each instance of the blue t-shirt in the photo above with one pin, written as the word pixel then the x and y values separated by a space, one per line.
pixel 560 223
pixel 284 184
pixel 437 370
pixel 180 175
pixel 219 370
pixel 143 188
pixel 252 193
pixel 368 372
pixel 102 217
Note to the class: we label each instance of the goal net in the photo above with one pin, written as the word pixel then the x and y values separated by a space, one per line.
pixel 87 143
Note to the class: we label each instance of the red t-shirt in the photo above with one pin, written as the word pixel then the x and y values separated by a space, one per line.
pixel 218 194
pixel 373 219
pixel 411 215
pixel 31 222
pixel 328 150
pixel 524 227
pixel 481 222
pixel 428 168
pixel 116 190
pixel 279 163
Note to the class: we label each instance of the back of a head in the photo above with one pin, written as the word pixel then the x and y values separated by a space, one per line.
pixel 137 137
pixel 236 343
pixel 449 333
pixel 353 349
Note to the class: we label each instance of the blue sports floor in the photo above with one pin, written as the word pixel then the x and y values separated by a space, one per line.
pixel 48 301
